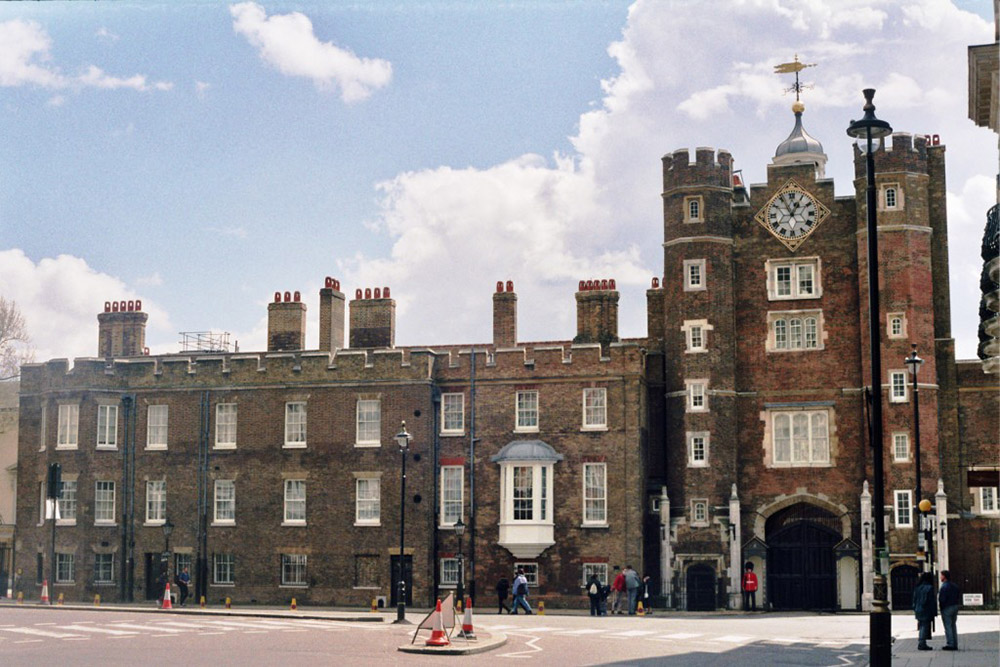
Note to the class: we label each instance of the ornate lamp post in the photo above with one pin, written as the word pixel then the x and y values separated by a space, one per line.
pixel 460 531
pixel 403 440
pixel 868 131
pixel 168 528
pixel 913 363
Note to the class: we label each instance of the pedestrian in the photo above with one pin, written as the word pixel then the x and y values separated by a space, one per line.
pixel 949 598
pixel 632 584
pixel 749 586
pixel 162 582
pixel 925 609
pixel 594 593
pixel 183 581
pixel 605 594
pixel 520 593
pixel 646 585
pixel 618 588
pixel 503 587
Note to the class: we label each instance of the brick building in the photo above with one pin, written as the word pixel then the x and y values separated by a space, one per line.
pixel 734 431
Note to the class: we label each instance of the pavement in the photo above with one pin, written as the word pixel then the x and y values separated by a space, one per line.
pixel 974 649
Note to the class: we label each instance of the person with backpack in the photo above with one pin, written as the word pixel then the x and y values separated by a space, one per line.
pixel 520 593
pixel 594 593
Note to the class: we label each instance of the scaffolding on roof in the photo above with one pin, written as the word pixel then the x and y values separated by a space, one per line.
pixel 204 341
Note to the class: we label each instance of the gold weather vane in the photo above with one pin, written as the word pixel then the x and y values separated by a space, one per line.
pixel 794 66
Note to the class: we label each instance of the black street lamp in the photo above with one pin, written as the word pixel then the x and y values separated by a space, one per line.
pixel 168 528
pixel 868 131
pixel 913 363
pixel 403 440
pixel 460 531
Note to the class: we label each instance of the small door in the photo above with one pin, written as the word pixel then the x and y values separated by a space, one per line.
pixel 156 567
pixel 407 578
pixel 700 588
pixel 903 580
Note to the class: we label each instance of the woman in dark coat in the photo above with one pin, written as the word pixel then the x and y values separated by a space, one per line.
pixel 594 593
pixel 924 608
pixel 503 587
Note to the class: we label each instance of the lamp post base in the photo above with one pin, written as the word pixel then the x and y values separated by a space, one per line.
pixel 401 615
pixel 880 626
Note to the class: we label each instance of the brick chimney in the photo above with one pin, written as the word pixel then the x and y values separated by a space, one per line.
pixel 121 330
pixel 597 312
pixel 331 316
pixel 286 323
pixel 504 316
pixel 655 311
pixel 373 319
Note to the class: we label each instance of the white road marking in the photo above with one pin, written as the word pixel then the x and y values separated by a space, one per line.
pixel 187 626
pixel 682 635
pixel 633 633
pixel 107 631
pixel 145 628
pixel 524 654
pixel 499 627
pixel 734 639
pixel 585 631
pixel 40 633
pixel 785 640
pixel 542 628
pixel 211 633
pixel 27 641
pixel 238 624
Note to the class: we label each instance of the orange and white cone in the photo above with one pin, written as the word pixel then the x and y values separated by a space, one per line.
pixel 167 604
pixel 45 592
pixel 438 637
pixel 467 631
pixel 295 605
pixel 60 600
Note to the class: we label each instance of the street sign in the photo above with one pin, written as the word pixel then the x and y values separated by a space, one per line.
pixel 972 599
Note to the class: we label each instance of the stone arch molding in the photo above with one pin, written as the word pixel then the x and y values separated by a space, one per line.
pixel 820 500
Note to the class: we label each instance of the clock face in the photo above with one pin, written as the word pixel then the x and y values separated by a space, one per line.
pixel 791 215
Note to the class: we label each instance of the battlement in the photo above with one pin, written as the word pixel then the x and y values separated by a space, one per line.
pixel 906 153
pixel 710 168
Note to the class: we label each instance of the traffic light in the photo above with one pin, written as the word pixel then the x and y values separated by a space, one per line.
pixel 55 481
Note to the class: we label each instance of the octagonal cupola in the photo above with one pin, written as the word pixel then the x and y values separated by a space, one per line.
pixel 800 147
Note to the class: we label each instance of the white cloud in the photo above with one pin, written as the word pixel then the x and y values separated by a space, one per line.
pixel 235 232
pixel 60 298
pixel 24 60
pixel 200 87
pixel 105 34
pixel 152 280
pixel 288 43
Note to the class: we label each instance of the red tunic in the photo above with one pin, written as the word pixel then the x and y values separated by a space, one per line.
pixel 749 582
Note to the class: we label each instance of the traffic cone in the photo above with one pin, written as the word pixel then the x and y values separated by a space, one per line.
pixel 467 630
pixel 97 600
pixel 45 592
pixel 201 603
pixel 374 605
pixel 541 607
pixel 294 605
pixel 438 637
pixel 229 603
pixel 20 597
pixel 60 600
pixel 167 604
pixel 640 611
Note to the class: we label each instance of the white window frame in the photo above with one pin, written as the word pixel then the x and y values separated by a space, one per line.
pixel 817 421
pixel 538 503
pixel 368 423
pixel 224 503
pixel 223 564
pixel 65 568
pixel 699 211
pixel 600 569
pixel 101 503
pixel 899 388
pixel 452 497
pixel 697 503
pixel 453 413
pixel 297 565
pixel 694 459
pixel 526 416
pixel 450 569
pixel 68 433
pixel 788 331
pixel 696 336
pixel 698 285
pixel 989 503
pixel 226 419
pixel 696 395
pixel 889 319
pixel 156 502
pixel 290 514
pixel 109 579
pixel 68 503
pixel 107 426
pixel 368 501
pixel 883 197
pixel 595 409
pixel 157 426
pixel 903 508
pixel 795 270
pixel 296 422
pixel 595 494
pixel 901 444
pixel 530 573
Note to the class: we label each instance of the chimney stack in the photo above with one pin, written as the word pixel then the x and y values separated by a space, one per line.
pixel 121 330
pixel 286 323
pixel 597 312
pixel 373 319
pixel 655 304
pixel 504 316
pixel 331 316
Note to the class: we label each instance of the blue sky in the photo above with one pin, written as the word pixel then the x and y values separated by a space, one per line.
pixel 202 155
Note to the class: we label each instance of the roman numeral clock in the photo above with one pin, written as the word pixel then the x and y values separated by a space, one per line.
pixel 792 214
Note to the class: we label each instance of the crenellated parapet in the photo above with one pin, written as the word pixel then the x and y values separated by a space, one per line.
pixel 908 153
pixel 708 169
pixel 544 360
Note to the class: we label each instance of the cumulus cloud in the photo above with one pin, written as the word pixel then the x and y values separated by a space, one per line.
pixel 25 59
pixel 60 298
pixel 287 43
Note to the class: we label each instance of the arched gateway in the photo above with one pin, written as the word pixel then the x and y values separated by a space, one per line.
pixel 801 563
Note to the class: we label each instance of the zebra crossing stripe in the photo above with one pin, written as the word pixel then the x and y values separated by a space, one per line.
pixel 584 631
pixel 734 639
pixel 89 628
pixel 41 633
pixel 187 626
pixel 633 633
pixel 146 628
pixel 682 635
